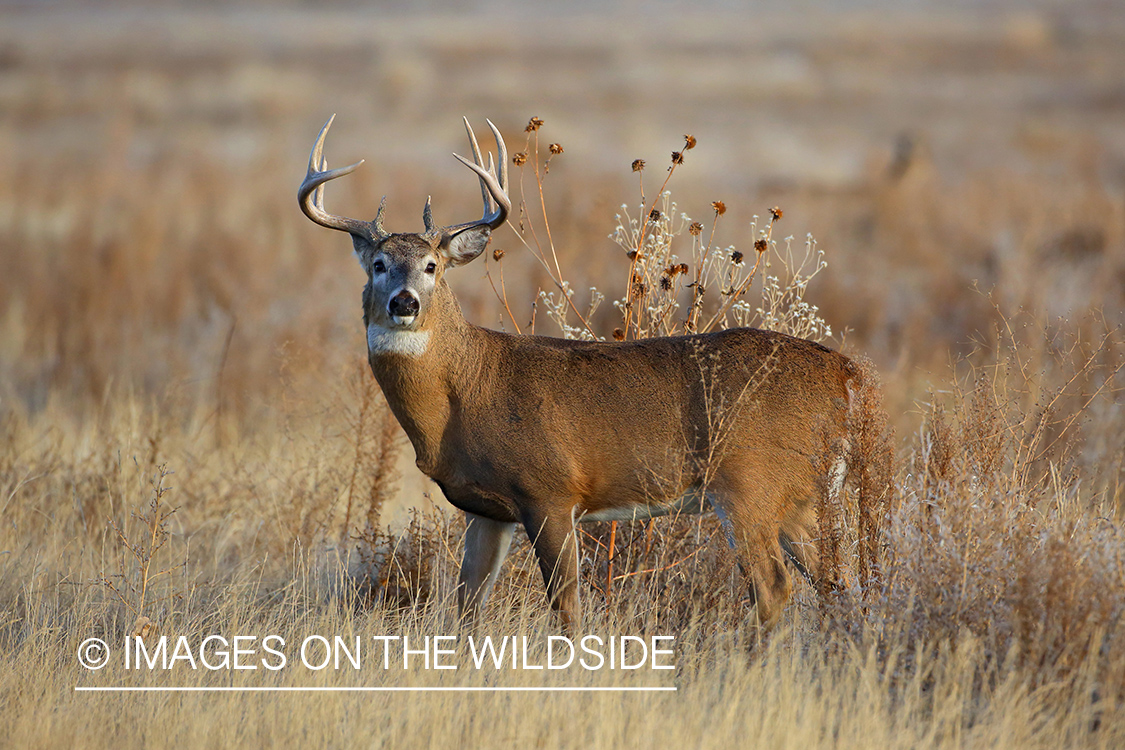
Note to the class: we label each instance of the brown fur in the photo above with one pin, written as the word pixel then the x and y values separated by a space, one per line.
pixel 531 429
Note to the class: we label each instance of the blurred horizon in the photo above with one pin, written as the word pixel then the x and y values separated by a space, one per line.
pixel 150 155
pixel 779 93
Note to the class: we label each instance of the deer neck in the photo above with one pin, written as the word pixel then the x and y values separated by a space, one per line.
pixel 421 372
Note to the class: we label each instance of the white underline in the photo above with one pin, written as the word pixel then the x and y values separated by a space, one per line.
pixel 282 689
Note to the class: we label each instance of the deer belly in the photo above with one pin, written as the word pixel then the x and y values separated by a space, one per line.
pixel 480 502
pixel 691 503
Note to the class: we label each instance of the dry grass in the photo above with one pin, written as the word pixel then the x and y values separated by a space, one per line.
pixel 188 432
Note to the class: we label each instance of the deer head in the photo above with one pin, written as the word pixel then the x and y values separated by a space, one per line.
pixel 403 270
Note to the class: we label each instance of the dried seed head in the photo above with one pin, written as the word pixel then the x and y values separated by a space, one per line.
pixel 519 159
pixel 633 255
pixel 677 157
pixel 775 212
pixel 761 246
pixel 665 283
pixel 654 214
pixel 638 165
pixel 498 255
pixel 618 334
pixel 682 268
pixel 736 257
pixel 695 229
pixel 689 142
pixel 639 289
pixel 720 207
pixel 533 124
pixel 556 148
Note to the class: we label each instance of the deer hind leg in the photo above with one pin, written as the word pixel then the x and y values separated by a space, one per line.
pixel 798 540
pixel 800 530
pixel 556 547
pixel 750 520
pixel 486 546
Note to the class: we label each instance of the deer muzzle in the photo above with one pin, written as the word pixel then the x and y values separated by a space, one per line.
pixel 403 307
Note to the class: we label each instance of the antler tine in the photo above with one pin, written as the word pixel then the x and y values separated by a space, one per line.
pixel 493 186
pixel 377 225
pixel 311 193
pixel 485 197
pixel 502 152
pixel 492 171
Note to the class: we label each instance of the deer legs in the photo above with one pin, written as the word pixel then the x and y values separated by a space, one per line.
pixel 486 546
pixel 761 540
pixel 556 546
pixel 758 537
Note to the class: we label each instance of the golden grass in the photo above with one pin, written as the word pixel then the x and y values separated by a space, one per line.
pixel 164 310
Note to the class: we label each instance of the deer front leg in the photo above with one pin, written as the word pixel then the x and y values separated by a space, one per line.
pixel 556 547
pixel 486 546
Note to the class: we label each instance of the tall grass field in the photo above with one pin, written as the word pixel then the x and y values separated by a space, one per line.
pixel 198 470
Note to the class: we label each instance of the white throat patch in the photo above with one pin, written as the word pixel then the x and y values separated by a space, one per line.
pixel 390 341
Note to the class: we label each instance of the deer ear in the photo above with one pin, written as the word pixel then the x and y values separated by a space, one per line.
pixel 363 251
pixel 462 247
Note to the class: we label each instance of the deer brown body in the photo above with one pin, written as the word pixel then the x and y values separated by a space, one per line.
pixel 546 432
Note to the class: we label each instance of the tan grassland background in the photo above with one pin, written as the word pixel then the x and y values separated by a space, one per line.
pixel 188 431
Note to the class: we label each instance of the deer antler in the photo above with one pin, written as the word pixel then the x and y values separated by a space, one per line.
pixel 493 182
pixel 311 194
pixel 493 190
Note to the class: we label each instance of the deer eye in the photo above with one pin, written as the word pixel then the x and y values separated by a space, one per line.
pixel 379 267
pixel 431 267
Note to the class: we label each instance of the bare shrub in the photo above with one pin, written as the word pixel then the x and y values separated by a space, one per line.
pixel 989 537
pixel 140 560
pixel 852 518
pixel 404 569
pixel 871 461
pixel 373 477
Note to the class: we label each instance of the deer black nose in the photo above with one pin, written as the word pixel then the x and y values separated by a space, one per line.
pixel 404 305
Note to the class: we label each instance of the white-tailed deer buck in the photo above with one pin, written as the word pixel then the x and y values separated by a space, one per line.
pixel 545 432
